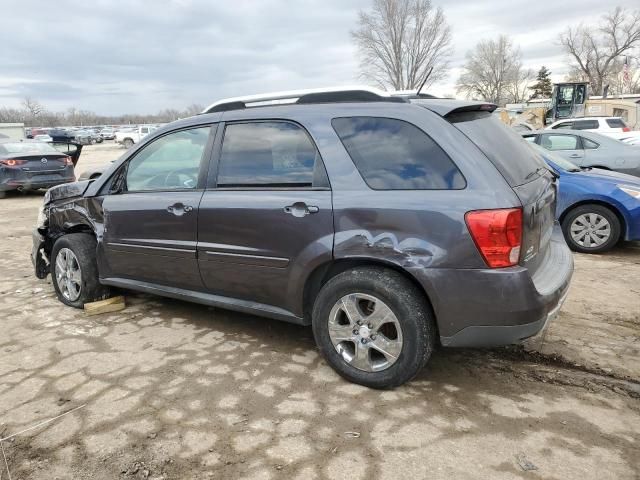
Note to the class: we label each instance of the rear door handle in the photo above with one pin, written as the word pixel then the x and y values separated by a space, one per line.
pixel 575 155
pixel 300 209
pixel 179 209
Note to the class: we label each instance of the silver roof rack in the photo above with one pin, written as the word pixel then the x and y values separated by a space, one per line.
pixel 315 95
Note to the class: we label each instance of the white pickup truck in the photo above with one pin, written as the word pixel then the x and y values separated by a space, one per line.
pixel 129 137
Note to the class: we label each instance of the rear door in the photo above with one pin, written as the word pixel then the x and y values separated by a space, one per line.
pixel 267 219
pixel 151 216
pixel 567 145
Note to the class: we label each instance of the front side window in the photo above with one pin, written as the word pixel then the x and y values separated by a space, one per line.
pixel 171 162
pixel 267 154
pixel 393 154
pixel 563 125
pixel 560 142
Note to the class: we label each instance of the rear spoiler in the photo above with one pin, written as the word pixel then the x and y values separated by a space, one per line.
pixel 445 107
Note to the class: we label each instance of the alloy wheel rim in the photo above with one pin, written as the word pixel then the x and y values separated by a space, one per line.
pixel 590 230
pixel 68 274
pixel 365 332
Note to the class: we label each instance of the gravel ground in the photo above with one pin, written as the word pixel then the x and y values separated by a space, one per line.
pixel 167 389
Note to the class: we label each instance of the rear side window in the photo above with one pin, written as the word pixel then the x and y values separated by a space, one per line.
pixel 392 154
pixel 506 149
pixel 268 154
pixel 559 142
pixel 585 125
pixel 588 144
pixel 616 123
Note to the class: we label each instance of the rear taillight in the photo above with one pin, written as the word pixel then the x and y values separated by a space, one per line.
pixel 497 234
pixel 626 129
pixel 67 161
pixel 12 162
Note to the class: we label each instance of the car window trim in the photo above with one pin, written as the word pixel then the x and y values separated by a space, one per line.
pixel 212 181
pixel 202 173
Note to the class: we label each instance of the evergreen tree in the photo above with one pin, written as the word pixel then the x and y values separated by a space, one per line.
pixel 543 86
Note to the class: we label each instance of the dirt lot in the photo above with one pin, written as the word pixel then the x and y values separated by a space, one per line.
pixel 171 390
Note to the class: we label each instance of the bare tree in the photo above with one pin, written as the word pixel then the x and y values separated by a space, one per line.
pixel 519 88
pixel 77 117
pixel 33 107
pixel 493 72
pixel 594 49
pixel 401 41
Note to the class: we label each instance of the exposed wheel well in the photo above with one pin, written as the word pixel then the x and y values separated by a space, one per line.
pixel 623 224
pixel 325 272
pixel 79 228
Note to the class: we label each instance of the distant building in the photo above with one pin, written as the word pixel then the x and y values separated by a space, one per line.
pixel 14 131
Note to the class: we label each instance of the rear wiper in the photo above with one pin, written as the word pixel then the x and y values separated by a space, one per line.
pixel 538 171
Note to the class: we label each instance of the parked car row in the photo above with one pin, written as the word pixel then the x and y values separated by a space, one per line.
pixel 91 135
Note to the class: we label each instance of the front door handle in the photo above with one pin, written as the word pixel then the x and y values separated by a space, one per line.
pixel 300 209
pixel 575 155
pixel 179 209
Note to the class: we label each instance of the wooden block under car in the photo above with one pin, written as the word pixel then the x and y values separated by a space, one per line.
pixel 113 304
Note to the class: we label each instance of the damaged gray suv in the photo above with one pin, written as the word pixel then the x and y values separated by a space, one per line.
pixel 390 224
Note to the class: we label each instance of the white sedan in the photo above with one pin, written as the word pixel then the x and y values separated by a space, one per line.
pixel 43 138
pixel 613 127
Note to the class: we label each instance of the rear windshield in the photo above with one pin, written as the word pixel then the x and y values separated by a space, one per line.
pixel 616 123
pixel 585 125
pixel 26 148
pixel 506 149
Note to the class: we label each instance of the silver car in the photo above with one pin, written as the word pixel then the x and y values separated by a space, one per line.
pixel 589 149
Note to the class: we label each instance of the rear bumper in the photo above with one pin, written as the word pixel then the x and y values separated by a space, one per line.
pixel 487 308
pixel 32 183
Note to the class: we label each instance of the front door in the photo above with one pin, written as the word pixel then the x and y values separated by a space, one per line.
pixel 151 220
pixel 267 221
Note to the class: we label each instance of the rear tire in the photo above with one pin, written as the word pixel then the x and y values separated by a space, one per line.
pixel 393 315
pixel 591 229
pixel 74 271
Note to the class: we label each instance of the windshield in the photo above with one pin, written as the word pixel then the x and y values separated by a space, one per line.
pixel 26 148
pixel 559 161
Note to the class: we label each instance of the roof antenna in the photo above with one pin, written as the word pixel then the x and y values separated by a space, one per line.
pixel 424 81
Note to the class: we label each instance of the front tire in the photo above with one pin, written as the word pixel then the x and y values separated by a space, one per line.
pixel 591 229
pixel 74 271
pixel 373 326
pixel 128 143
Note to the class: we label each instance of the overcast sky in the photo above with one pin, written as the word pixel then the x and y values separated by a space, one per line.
pixel 135 56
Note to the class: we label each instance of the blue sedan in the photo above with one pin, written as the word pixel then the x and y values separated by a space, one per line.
pixel 596 207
